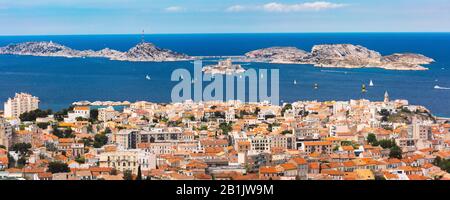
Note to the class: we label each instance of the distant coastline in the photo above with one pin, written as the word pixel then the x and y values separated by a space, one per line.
pixel 325 56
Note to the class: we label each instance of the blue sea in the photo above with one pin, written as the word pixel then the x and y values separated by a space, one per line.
pixel 60 81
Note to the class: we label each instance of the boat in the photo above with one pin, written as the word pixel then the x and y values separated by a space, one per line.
pixel 316 86
pixel 371 83
pixel 363 88
pixel 441 88
pixel 295 82
pixel 147 77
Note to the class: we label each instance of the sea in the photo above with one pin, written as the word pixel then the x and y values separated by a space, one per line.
pixel 59 82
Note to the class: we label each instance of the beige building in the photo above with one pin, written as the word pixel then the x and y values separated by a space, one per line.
pixel 324 147
pixel 5 133
pixel 107 114
pixel 123 160
pixel 21 103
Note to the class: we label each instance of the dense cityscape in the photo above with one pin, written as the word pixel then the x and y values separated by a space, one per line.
pixel 305 140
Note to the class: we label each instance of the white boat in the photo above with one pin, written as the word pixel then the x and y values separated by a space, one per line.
pixel 295 82
pixel 147 77
pixel 441 88
pixel 371 83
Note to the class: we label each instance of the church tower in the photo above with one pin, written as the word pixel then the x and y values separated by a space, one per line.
pixel 386 97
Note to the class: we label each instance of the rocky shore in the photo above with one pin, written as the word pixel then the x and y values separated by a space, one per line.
pixel 141 52
pixel 340 56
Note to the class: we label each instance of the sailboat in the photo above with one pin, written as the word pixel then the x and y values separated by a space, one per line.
pixel 371 83
pixel 147 77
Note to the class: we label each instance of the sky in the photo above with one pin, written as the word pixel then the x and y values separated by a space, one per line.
pixel 55 17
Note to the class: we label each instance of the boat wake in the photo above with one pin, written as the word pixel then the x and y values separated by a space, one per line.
pixel 441 88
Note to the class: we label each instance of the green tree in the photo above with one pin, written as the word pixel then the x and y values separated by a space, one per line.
pixel 80 160
pixel 43 125
pixel 127 175
pixel 139 174
pixel 387 144
pixel 444 164
pixel 225 127
pixel 286 107
pixel 107 130
pixel 395 152
pixel 371 138
pixel 32 115
pixel 93 115
pixel 21 148
pixel 100 140
pixel 60 114
pixel 66 133
pixel 58 167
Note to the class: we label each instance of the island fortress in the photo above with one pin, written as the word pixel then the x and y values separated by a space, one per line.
pixel 327 55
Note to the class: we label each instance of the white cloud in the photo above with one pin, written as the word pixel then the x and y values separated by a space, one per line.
pixel 174 9
pixel 280 7
pixel 311 6
pixel 236 8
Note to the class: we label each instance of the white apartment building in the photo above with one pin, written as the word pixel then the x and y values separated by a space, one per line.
pixel 260 144
pixel 21 103
pixel 78 111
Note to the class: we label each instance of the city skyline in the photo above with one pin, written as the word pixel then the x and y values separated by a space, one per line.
pixel 52 17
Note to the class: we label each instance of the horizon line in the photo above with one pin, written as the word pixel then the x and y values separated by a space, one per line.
pixel 231 33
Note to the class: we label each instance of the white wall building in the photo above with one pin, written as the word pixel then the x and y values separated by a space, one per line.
pixel 21 103
pixel 78 111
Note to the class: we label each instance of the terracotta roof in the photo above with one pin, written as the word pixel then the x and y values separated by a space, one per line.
pixel 268 170
pixel 288 166
pixel 317 143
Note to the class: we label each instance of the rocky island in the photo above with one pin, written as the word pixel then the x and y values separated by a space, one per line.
pixel 142 52
pixel 332 56
pixel 340 56
pixel 223 67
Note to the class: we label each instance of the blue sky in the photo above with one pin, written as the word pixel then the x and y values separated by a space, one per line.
pixel 36 17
